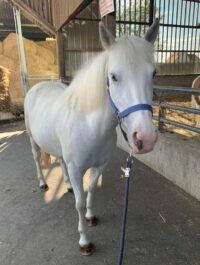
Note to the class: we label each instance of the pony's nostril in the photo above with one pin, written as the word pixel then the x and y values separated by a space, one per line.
pixel 134 136
pixel 139 144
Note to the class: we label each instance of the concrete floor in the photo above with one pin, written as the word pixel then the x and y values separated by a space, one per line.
pixel 39 229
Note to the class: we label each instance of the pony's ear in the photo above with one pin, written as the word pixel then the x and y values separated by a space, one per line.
pixel 152 32
pixel 106 36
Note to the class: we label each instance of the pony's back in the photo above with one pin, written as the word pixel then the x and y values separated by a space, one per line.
pixel 40 106
pixel 43 93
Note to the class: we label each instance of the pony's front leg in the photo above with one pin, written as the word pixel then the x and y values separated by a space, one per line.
pixel 91 219
pixel 65 174
pixel 76 177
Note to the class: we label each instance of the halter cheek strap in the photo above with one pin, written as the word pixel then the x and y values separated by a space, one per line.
pixel 126 112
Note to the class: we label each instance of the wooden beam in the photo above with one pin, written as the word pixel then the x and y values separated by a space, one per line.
pixel 32 15
pixel 76 12
pixel 60 54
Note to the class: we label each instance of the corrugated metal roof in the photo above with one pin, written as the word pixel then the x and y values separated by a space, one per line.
pixel 7 24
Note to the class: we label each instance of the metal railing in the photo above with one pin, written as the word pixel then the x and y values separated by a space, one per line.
pixel 43 77
pixel 162 91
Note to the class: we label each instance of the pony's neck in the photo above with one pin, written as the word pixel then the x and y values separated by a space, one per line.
pixel 87 93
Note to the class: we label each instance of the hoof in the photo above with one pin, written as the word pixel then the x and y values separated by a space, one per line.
pixel 92 221
pixel 87 250
pixel 70 190
pixel 44 187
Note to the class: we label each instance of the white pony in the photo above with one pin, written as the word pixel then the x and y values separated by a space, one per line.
pixel 77 124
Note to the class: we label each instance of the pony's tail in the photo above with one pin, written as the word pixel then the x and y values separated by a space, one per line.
pixel 45 158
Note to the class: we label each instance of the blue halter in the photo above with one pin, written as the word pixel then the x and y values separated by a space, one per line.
pixel 126 112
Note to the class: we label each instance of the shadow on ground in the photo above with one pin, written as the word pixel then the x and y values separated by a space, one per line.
pixel 39 229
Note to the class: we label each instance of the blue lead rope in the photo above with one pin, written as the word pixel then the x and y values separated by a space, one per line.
pixel 129 163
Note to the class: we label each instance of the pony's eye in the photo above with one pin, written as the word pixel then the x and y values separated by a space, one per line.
pixel 114 78
pixel 154 73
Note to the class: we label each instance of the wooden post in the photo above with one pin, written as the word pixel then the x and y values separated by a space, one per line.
pixel 21 50
pixel 151 12
pixel 60 54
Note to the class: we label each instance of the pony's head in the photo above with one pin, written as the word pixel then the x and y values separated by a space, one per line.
pixel 129 73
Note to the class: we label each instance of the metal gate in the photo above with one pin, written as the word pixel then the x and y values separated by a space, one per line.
pixel 178 43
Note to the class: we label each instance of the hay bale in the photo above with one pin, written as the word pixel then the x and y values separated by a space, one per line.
pixel 5 102
pixel 9 63
pixel 1 47
pixel 35 63
pixel 49 45
pixel 39 65
pixel 16 90
pixel 10 47
pixel 45 55
pixel 53 69
pixel 37 56
pixel 40 60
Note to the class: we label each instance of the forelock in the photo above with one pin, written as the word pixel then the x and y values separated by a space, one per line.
pixel 134 50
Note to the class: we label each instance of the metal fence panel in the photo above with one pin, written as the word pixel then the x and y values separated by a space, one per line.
pixel 162 106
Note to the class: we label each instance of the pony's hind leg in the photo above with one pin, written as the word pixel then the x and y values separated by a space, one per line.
pixel 76 177
pixel 65 174
pixel 91 219
pixel 36 155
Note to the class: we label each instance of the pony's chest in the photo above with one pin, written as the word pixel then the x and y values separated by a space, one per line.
pixel 95 151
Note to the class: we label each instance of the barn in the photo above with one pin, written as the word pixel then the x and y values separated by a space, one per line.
pixel 51 40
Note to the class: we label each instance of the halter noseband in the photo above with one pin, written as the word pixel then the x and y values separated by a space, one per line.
pixel 126 112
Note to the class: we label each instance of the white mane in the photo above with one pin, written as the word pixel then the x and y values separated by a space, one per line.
pixel 87 91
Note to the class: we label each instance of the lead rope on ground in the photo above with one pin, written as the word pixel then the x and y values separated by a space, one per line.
pixel 129 163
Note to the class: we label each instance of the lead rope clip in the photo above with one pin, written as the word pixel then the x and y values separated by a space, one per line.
pixel 129 163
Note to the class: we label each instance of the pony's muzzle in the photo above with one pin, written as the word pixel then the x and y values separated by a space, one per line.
pixel 143 143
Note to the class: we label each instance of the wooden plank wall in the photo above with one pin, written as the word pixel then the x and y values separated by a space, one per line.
pixel 62 9
pixel 80 45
